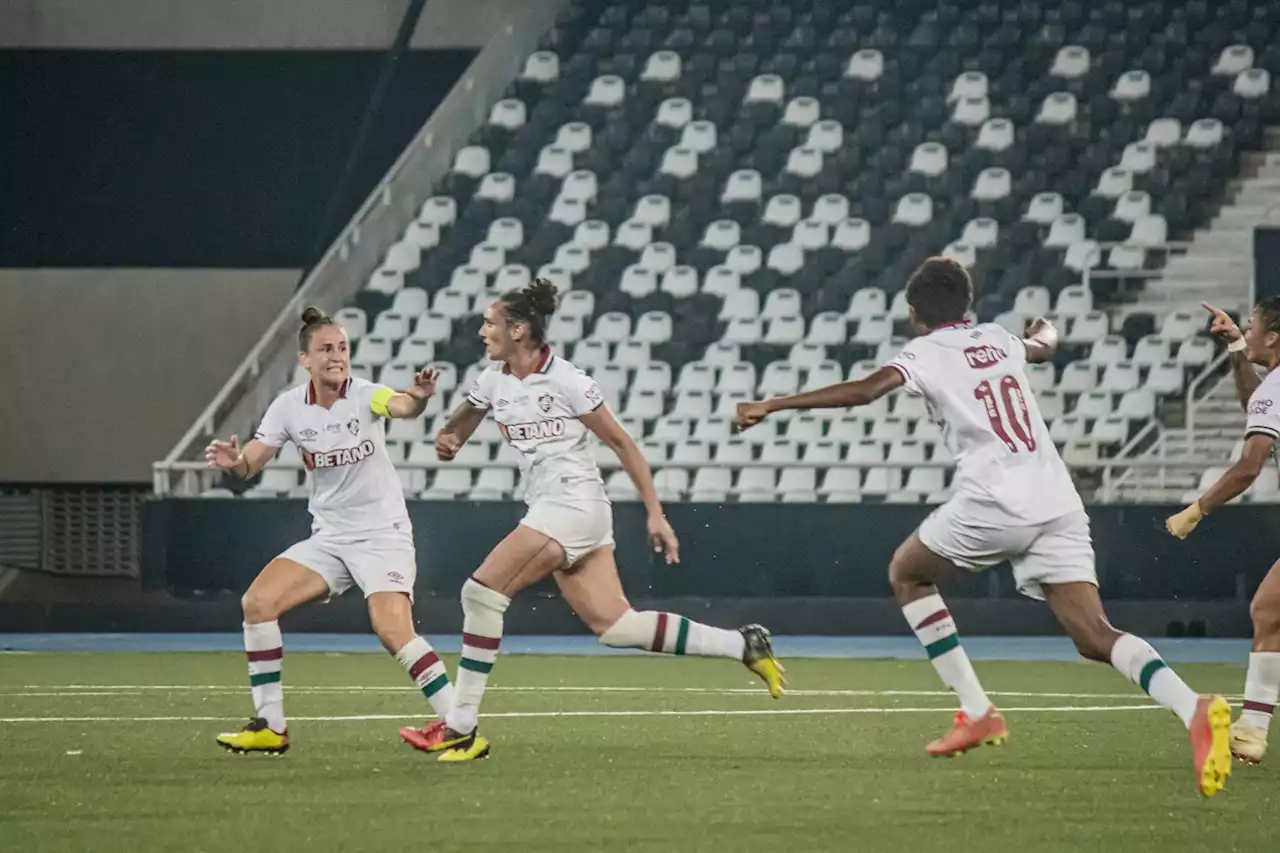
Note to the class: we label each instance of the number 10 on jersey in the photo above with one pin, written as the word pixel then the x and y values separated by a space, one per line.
pixel 1007 409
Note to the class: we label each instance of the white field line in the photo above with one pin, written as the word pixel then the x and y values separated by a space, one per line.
pixel 356 718
pixel 132 689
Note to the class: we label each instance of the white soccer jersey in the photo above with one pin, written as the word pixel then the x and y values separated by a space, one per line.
pixel 1264 408
pixel 539 417
pixel 974 383
pixel 354 487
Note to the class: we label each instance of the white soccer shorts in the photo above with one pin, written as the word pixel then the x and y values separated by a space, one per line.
pixel 579 525
pixel 380 564
pixel 1057 551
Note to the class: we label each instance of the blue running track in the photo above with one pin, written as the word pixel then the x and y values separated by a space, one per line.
pixel 850 648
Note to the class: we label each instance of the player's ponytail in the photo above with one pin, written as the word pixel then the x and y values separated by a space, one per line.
pixel 533 306
pixel 312 319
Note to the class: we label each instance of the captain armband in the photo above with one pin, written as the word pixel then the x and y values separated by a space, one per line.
pixel 379 402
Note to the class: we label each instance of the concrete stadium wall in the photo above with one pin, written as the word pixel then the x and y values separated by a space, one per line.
pixel 246 24
pixel 106 369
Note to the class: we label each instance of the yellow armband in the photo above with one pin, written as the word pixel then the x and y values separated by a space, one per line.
pixel 379 402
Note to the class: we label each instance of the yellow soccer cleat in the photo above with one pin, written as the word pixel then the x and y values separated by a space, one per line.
pixel 758 657
pixel 256 736
pixel 472 748
pixel 1248 742
pixel 1210 744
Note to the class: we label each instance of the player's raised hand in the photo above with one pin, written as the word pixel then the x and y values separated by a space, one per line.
pixel 223 454
pixel 1038 326
pixel 447 445
pixel 750 414
pixel 424 383
pixel 1222 326
pixel 663 538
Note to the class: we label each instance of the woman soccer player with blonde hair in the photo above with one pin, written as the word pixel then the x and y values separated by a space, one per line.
pixel 548 409
pixel 360 534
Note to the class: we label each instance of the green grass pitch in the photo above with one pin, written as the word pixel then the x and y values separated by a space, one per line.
pixel 115 752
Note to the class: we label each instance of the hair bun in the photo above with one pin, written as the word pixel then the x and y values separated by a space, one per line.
pixel 312 315
pixel 542 296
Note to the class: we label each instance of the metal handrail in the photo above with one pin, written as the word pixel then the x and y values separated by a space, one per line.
pixel 1193 401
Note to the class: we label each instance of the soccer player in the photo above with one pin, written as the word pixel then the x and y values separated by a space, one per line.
pixel 548 409
pixel 1260 398
pixel 1014 500
pixel 360 534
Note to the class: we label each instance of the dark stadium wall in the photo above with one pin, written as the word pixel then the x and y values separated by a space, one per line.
pixel 105 369
pixel 1266 262
pixel 220 159
pixel 236 25
pixel 805 564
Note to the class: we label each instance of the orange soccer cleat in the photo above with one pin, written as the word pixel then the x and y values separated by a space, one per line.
pixel 969 734
pixel 1210 744
pixel 431 737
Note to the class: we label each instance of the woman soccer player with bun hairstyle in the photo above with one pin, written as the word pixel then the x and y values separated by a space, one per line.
pixel 1260 398
pixel 548 409
pixel 360 535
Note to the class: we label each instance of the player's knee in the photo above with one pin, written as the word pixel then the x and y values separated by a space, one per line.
pixel 1264 610
pixel 902 579
pixel 631 630
pixel 258 606
pixel 393 625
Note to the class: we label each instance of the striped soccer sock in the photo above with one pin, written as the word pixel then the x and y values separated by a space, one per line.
pixel 936 630
pixel 1141 664
pixel 672 634
pixel 482 617
pixel 427 671
pixel 1261 689
pixel 264 646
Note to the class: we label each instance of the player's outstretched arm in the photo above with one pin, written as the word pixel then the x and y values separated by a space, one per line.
pixel 410 403
pixel 1041 341
pixel 860 392
pixel 1238 478
pixel 229 457
pixel 1244 375
pixel 457 430
pixel 606 427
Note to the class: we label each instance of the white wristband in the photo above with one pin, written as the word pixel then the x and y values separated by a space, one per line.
pixel 1236 346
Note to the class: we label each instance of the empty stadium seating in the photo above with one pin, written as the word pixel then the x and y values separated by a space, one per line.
pixel 732 195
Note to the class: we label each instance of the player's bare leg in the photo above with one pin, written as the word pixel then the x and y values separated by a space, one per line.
pixel 1207 718
pixel 281 586
pixel 914 573
pixel 523 558
pixel 594 591
pixel 1262 682
pixel 391 615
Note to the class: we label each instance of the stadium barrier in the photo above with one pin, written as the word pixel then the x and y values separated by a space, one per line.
pixel 739 551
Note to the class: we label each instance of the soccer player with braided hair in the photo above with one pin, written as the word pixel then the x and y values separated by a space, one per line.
pixel 1257 346
pixel 1014 500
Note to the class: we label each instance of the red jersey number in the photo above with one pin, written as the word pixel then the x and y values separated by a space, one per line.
pixel 1007 411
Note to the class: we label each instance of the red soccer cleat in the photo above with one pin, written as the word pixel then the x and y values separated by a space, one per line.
pixel 1210 732
pixel 969 734
pixel 433 737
